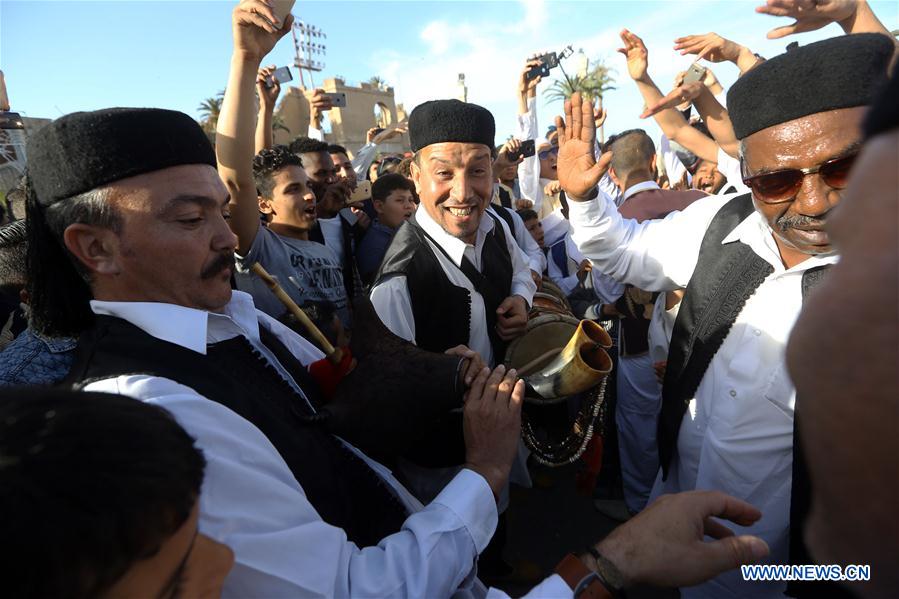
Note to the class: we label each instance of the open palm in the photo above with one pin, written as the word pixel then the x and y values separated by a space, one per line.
pixel 637 56
pixel 809 15
pixel 576 165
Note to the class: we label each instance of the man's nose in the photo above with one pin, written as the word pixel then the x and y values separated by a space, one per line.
pixel 815 197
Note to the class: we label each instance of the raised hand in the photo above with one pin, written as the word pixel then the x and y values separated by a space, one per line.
pixel 267 95
pixel 492 425
pixel 808 15
pixel 664 544
pixel 252 29
pixel 576 166
pixel 709 46
pixel 390 133
pixel 682 94
pixel 318 104
pixel 526 86
pixel 637 56
pixel 503 160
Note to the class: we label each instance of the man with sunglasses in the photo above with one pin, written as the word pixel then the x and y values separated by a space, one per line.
pixel 748 263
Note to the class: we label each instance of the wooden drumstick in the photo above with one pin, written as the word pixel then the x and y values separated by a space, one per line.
pixel 334 354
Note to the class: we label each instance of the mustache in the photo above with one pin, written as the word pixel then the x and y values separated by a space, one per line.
pixel 221 262
pixel 791 222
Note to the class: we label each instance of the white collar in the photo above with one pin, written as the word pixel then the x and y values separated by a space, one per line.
pixel 755 232
pixel 638 188
pixel 187 327
pixel 453 246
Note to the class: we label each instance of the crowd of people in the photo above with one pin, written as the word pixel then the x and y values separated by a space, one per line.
pixel 227 372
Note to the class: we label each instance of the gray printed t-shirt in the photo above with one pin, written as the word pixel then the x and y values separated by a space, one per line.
pixel 307 271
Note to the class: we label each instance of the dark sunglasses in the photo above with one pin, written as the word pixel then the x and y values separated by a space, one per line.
pixel 547 153
pixel 782 186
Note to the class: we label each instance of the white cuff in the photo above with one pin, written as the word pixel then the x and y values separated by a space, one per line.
pixel 469 496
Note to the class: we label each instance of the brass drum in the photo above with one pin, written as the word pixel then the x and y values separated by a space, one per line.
pixel 565 364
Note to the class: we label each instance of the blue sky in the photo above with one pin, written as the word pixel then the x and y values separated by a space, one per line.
pixel 63 56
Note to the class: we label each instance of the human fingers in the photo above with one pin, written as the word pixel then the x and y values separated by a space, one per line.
pixel 505 387
pixel 576 123
pixel 476 390
pixel 713 528
pixel 560 127
pixel 492 385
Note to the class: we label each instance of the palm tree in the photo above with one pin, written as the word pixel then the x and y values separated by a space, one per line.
pixel 377 81
pixel 209 110
pixel 596 81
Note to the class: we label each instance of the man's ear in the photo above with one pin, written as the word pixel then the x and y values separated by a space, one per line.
pixel 95 247
pixel 378 205
pixel 265 205
pixel 654 165
pixel 614 177
pixel 415 172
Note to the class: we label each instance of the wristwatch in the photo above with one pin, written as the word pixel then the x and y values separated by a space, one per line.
pixel 585 583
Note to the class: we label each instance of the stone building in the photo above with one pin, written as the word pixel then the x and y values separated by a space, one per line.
pixel 367 106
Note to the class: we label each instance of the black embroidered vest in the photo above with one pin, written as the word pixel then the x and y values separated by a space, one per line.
pixel 344 491
pixel 442 310
pixel 724 279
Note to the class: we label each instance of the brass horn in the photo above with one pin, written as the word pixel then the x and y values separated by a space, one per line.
pixel 579 366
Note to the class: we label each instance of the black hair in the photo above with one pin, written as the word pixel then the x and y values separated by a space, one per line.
pixel 307 145
pixel 388 183
pixel 13 253
pixel 90 483
pixel 632 152
pixel 269 161
pixel 389 164
pixel 527 214
pixel 337 149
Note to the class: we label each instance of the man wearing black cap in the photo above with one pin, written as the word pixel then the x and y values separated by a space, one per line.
pixel 129 246
pixel 453 274
pixel 728 403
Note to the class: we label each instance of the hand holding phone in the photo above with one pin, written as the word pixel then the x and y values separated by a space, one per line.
pixel 361 193
pixel 338 99
pixel 281 76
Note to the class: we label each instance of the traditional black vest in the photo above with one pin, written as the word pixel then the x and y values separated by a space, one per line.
pixel 724 279
pixel 344 491
pixel 442 310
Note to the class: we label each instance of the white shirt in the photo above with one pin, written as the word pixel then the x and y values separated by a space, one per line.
pixel 556 229
pixel 525 241
pixel 332 232
pixel 251 501
pixel 529 170
pixel 737 434
pixel 394 305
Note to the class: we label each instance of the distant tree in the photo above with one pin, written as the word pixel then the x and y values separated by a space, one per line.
pixel 594 84
pixel 377 81
pixel 209 110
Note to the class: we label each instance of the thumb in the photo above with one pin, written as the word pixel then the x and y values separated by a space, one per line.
pixel 731 552
pixel 503 307
pixel 780 32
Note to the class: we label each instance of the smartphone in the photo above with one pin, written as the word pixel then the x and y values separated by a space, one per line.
pixel 527 148
pixel 338 99
pixel 540 70
pixel 281 75
pixel 361 193
pixel 281 8
pixel 694 73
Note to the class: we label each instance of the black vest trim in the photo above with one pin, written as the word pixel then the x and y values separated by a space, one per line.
pixel 724 278
pixel 344 490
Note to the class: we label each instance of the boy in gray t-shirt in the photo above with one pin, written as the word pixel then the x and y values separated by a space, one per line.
pixel 308 271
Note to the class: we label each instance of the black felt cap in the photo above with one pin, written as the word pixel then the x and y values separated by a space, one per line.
pixel 441 121
pixel 840 72
pixel 85 150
